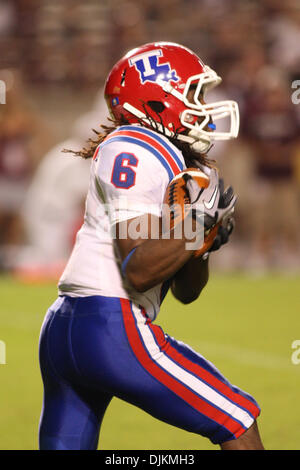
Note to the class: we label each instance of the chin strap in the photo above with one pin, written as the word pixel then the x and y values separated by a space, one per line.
pixel 200 147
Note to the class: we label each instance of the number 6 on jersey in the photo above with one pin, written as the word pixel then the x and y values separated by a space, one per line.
pixel 123 176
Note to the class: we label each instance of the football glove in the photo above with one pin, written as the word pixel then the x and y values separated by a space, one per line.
pixel 193 193
pixel 217 205
pixel 213 202
pixel 223 234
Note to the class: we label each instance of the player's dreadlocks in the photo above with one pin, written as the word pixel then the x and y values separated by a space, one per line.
pixel 93 143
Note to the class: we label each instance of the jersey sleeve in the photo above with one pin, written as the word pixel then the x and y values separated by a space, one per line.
pixel 133 177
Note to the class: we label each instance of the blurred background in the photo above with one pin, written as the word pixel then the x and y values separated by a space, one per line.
pixel 55 57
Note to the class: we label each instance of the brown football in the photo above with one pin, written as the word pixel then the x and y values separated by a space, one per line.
pixel 178 202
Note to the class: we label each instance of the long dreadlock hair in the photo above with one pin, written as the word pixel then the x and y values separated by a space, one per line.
pixel 191 157
pixel 88 152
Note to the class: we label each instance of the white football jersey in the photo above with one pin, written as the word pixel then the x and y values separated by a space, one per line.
pixel 130 172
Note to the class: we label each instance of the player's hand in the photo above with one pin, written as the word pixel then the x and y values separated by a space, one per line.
pixel 223 234
pixel 208 203
pixel 214 202
pixel 217 206
pixel 226 201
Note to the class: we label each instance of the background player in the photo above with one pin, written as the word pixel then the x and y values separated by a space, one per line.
pixel 98 339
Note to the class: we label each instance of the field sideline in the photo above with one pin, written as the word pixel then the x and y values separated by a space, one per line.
pixel 244 325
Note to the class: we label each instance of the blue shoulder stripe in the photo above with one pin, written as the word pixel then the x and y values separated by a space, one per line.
pixel 158 138
pixel 145 146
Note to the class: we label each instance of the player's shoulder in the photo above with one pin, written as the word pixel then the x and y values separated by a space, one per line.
pixel 145 142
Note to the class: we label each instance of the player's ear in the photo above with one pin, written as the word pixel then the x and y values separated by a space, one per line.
pixel 156 106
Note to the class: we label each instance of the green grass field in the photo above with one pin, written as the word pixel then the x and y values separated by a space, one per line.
pixel 244 325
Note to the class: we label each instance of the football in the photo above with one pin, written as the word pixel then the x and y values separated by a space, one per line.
pixel 177 204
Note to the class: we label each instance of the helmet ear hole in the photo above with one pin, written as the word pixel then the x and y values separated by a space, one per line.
pixel 156 106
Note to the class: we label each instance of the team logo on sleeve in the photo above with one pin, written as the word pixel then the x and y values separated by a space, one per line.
pixel 150 70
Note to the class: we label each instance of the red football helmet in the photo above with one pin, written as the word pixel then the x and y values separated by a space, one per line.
pixel 161 85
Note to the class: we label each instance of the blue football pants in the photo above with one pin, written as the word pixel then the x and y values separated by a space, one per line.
pixel 95 348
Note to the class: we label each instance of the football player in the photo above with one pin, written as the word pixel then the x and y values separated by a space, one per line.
pixel 99 339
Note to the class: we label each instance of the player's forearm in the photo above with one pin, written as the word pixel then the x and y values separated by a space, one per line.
pixel 190 280
pixel 155 261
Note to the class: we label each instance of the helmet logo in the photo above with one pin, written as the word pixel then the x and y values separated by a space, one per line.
pixel 149 69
